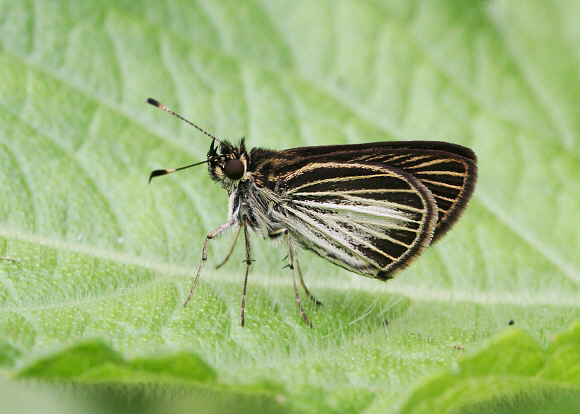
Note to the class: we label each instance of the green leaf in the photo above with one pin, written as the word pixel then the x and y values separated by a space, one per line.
pixel 95 361
pixel 103 262
pixel 527 375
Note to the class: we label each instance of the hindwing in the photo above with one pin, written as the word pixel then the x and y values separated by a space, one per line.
pixel 368 218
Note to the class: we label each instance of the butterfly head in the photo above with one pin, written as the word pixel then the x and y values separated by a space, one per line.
pixel 227 164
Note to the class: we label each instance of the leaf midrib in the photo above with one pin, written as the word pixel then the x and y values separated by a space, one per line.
pixel 170 271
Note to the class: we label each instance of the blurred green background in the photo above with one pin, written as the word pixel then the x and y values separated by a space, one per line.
pixel 90 313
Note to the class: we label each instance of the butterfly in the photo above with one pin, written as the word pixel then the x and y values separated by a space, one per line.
pixel 369 208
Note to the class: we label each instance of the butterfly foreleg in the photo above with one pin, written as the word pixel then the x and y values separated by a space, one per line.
pixel 211 235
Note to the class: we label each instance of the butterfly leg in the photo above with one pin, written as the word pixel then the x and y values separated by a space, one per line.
pixel 211 235
pixel 291 266
pixel 248 263
pixel 223 262
pixel 312 298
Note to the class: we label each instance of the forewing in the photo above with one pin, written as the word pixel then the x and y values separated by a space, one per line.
pixel 369 218
pixel 448 171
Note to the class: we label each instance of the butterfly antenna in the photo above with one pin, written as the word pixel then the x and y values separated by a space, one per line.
pixel 166 109
pixel 158 173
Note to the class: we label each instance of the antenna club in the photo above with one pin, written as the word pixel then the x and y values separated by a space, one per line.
pixel 157 173
pixel 153 102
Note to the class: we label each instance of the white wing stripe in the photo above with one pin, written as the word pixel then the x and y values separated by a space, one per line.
pixel 382 209
pixel 306 218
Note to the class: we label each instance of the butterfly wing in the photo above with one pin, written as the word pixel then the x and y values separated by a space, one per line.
pixel 369 218
pixel 448 171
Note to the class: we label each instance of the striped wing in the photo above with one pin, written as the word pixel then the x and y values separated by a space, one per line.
pixel 371 219
pixel 448 171
pixel 448 176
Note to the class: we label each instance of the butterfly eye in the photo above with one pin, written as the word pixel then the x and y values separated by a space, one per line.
pixel 234 169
